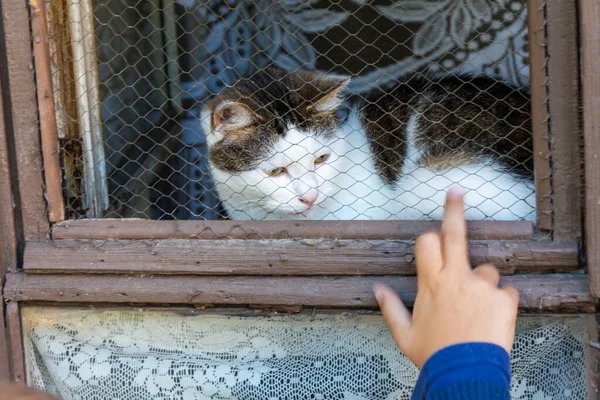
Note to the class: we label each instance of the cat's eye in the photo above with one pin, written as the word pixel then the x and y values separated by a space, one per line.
pixel 321 158
pixel 275 171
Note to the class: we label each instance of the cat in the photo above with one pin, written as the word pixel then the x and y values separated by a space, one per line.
pixel 278 148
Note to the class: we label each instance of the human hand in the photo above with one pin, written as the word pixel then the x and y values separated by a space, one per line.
pixel 13 391
pixel 454 303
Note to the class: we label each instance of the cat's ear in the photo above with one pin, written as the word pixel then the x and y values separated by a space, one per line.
pixel 224 117
pixel 332 99
pixel 230 115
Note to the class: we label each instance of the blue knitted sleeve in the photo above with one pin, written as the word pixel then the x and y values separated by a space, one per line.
pixel 468 371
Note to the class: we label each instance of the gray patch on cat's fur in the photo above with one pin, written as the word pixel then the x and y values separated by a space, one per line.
pixel 460 117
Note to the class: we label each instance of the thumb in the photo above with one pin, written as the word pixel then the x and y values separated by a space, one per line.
pixel 394 312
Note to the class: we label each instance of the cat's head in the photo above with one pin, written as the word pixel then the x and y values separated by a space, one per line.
pixel 279 132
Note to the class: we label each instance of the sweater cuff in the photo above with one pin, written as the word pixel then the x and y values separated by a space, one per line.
pixel 465 371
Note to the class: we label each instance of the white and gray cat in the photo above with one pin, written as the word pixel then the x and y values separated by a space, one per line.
pixel 278 149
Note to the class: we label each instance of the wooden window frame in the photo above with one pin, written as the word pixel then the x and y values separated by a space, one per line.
pixel 46 260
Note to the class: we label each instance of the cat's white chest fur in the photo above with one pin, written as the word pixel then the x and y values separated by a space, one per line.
pixel 350 187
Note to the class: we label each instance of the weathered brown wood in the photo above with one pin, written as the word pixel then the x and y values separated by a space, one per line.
pixel 563 90
pixel 8 221
pixel 280 256
pixel 13 317
pixel 590 48
pixel 65 93
pixel 4 347
pixel 539 293
pixel 20 92
pixel 9 213
pixel 45 99
pixel 8 235
pixel 539 111
pixel 592 356
pixel 144 229
pixel 234 311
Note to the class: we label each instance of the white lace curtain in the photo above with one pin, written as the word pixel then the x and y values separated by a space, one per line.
pixel 127 355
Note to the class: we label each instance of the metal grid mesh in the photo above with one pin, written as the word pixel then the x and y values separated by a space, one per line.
pixel 132 78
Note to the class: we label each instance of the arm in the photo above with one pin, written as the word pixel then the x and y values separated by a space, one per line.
pixel 463 325
pixel 465 371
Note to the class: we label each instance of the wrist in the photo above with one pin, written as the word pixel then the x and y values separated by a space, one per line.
pixel 465 367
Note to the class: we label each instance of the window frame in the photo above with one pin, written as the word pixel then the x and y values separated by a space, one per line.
pixel 348 254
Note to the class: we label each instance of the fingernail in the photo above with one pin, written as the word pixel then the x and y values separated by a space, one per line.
pixel 455 192
pixel 378 291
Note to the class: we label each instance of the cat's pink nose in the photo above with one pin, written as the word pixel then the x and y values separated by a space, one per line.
pixel 309 197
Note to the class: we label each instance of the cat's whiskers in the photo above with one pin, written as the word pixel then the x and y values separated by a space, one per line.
pixel 282 213
pixel 261 203
pixel 246 202
pixel 252 210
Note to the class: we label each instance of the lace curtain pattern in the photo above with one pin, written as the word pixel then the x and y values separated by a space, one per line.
pixel 126 355
pixel 375 42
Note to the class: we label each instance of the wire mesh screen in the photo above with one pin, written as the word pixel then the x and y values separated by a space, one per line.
pixel 292 109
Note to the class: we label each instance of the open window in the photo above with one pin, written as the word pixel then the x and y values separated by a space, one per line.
pixel 137 218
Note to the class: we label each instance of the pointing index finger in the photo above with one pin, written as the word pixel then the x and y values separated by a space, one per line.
pixel 454 231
